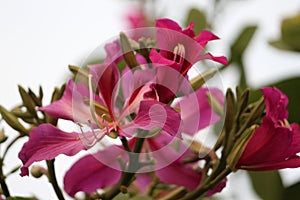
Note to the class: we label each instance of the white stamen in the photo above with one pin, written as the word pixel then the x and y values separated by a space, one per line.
pixel 179 50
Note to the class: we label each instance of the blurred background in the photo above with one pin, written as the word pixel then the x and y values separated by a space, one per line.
pixel 261 38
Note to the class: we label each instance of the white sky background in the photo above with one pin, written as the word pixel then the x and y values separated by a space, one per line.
pixel 39 39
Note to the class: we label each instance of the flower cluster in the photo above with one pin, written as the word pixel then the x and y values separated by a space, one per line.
pixel 137 114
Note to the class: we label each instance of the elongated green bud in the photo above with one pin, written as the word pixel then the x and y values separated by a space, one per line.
pixel 199 80
pixel 13 121
pixel 128 52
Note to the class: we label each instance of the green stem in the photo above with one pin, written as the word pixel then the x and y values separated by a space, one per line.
pixel 207 185
pixel 127 176
pixel 10 145
pixel 243 80
pixel 2 181
pixel 53 180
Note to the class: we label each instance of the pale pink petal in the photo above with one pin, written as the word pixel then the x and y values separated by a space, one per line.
pixel 45 143
pixel 196 111
pixel 71 106
pixel 114 52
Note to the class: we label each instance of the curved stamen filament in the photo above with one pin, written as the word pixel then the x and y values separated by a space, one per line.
pixel 87 141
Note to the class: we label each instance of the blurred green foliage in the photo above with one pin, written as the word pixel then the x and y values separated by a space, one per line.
pixel 290 34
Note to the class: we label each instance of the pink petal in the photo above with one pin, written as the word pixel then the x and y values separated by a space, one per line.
pixel 107 76
pixel 143 182
pixel 153 114
pixel 89 174
pixel 219 59
pixel 196 111
pixel 179 174
pixel 276 103
pixel 71 106
pixel 263 147
pixel 189 31
pixel 174 171
pixel 204 37
pixel 45 143
pixel 293 162
pixel 114 52
pixel 217 188
pixel 168 23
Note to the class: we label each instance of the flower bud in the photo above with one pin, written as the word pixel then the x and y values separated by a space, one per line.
pixel 38 171
pixel 13 121
pixel 199 80
pixel 129 56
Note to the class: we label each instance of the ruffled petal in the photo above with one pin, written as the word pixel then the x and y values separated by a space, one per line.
pixel 276 103
pixel 45 143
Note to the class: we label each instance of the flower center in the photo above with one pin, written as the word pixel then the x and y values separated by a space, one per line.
pixel 179 53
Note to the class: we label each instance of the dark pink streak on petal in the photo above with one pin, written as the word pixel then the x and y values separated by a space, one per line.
pixel 45 143
pixel 107 76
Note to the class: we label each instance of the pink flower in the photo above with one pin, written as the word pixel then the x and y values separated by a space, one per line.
pixel 99 113
pixel 179 49
pixel 275 144
pixel 137 18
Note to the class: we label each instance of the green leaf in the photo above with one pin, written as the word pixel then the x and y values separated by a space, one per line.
pixel 292 192
pixel 241 43
pixel 268 184
pixel 281 45
pixel 199 19
pixel 290 31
